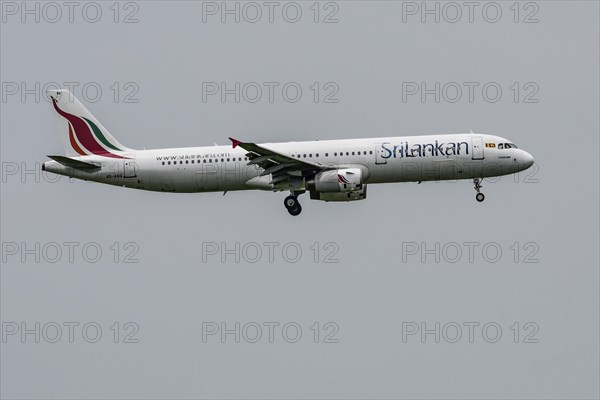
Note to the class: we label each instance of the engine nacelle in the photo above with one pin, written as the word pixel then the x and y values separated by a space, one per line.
pixel 360 194
pixel 337 180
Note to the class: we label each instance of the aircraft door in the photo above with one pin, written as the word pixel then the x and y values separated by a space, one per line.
pixel 129 169
pixel 477 145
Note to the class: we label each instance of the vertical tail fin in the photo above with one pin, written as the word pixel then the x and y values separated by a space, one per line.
pixel 83 134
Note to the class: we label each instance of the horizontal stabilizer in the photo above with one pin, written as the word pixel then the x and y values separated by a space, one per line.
pixel 70 162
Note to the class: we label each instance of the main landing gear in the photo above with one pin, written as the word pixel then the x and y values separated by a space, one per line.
pixel 479 196
pixel 292 204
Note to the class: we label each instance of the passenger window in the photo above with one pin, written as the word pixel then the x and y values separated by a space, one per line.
pixel 163 163
pixel 326 154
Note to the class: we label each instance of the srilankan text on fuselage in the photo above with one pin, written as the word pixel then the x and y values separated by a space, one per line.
pixel 405 149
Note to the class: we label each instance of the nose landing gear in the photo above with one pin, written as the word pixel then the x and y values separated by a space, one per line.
pixel 292 204
pixel 479 196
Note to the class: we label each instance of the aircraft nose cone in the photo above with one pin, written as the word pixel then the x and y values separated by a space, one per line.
pixel 527 160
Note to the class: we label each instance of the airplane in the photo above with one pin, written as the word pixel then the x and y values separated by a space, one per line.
pixel 330 170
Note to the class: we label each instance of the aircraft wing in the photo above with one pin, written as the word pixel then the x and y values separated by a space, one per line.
pixel 280 166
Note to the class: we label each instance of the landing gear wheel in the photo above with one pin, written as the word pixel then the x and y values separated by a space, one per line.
pixel 291 202
pixel 477 183
pixel 296 210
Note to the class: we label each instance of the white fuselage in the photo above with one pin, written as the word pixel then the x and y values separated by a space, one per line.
pixel 383 160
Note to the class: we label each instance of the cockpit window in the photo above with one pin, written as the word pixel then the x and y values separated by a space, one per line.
pixel 501 146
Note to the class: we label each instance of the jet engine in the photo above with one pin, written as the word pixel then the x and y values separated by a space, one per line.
pixel 338 185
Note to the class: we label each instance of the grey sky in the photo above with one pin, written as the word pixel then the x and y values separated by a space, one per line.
pixel 370 54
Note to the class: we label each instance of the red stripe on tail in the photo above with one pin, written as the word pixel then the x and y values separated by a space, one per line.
pixel 84 134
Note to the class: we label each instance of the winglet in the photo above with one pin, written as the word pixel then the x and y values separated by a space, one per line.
pixel 235 142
